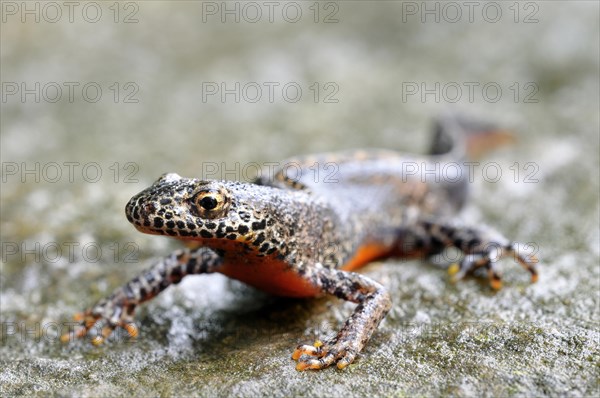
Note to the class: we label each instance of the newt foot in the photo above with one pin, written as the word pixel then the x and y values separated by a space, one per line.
pixel 107 315
pixel 487 259
pixel 321 355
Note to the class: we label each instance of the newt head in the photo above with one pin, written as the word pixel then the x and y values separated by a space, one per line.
pixel 215 213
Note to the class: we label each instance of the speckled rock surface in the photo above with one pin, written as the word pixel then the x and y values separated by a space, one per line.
pixel 66 242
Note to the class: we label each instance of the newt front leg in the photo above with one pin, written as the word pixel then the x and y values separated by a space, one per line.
pixel 373 304
pixel 118 308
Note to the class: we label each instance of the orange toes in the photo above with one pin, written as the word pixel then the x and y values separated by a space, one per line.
pixel 131 329
pixel 65 338
pixel 97 340
pixel 78 317
pixel 312 350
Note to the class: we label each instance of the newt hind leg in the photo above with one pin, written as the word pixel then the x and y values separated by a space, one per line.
pixel 481 248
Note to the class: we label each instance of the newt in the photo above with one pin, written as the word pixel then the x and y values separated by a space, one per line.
pixel 293 234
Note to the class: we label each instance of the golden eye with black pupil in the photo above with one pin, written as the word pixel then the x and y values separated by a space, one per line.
pixel 210 203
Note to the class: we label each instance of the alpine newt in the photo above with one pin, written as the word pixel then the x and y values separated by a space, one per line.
pixel 295 235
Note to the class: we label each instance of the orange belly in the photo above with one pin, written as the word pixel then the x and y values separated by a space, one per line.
pixel 270 275
pixel 365 254
pixel 276 277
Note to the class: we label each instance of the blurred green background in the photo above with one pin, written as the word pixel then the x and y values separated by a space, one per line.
pixel 100 98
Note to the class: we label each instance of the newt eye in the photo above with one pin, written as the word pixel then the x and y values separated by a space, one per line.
pixel 210 203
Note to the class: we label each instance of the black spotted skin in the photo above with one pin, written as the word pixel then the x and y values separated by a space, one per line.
pixel 303 235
